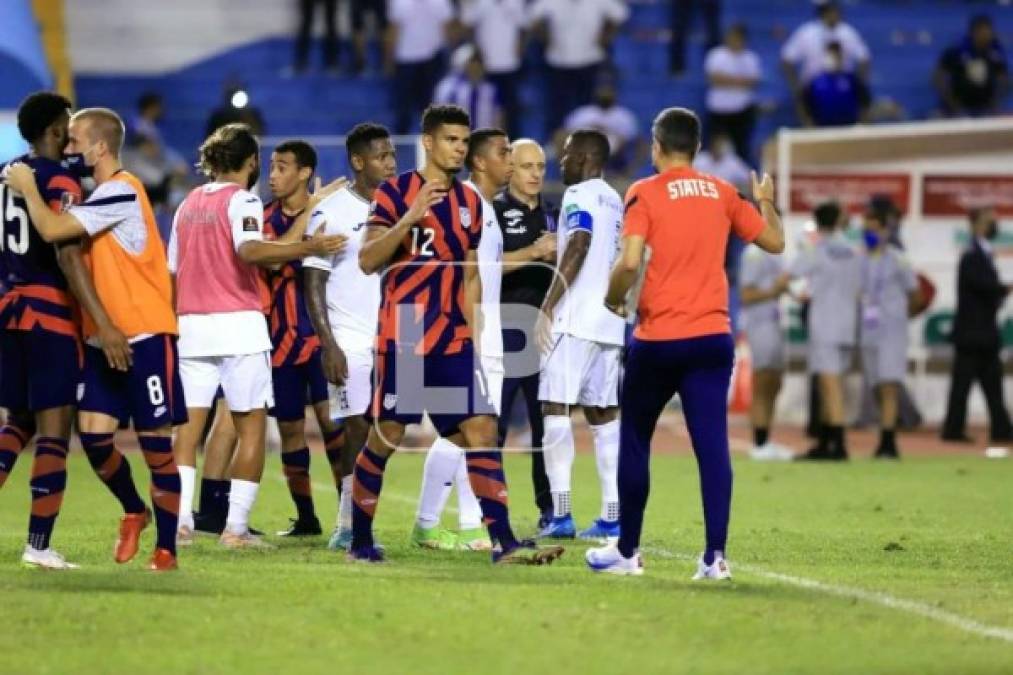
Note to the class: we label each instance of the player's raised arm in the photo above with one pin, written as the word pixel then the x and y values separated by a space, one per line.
pixel 542 249
pixel 297 232
pixel 771 238
pixel 382 239
pixel 52 226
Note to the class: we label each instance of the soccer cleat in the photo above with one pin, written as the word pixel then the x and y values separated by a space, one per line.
pixel 184 536
pixel 886 452
pixel 365 554
pixel 162 561
pixel 434 538
pixel 341 540
pixel 247 540
pixel 717 570
pixel 128 541
pixel 821 455
pixel 601 529
pixel 302 528
pixel 771 452
pixel 609 560
pixel 45 559
pixel 559 528
pixel 475 539
pixel 204 523
pixel 544 518
pixel 526 553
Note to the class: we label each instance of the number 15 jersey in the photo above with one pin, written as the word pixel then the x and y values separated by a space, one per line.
pixel 422 293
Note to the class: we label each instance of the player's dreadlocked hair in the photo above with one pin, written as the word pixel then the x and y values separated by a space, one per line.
pixel 227 149
pixel 37 112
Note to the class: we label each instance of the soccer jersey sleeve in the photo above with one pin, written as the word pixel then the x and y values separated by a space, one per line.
pixel 112 203
pixel 616 11
pixel 60 192
pixel 747 222
pixel 320 217
pixel 246 214
pixel 172 250
pixel 475 227
pixel 384 211
pixel 636 215
pixel 574 216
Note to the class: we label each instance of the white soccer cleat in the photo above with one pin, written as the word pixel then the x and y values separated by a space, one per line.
pixel 184 536
pixel 236 542
pixel 608 559
pixel 771 452
pixel 717 570
pixel 46 559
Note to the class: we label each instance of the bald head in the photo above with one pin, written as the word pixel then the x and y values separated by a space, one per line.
pixel 99 125
pixel 529 169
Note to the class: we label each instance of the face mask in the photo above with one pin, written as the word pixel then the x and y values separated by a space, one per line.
pixel 871 239
pixel 76 164
pixel 993 231
pixel 254 177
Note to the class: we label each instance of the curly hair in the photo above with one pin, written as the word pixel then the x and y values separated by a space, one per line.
pixel 227 149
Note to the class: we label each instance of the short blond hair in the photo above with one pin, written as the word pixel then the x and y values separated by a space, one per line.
pixel 103 125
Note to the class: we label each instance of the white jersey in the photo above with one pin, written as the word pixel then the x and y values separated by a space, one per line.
pixel 490 268
pixel 353 298
pixel 593 207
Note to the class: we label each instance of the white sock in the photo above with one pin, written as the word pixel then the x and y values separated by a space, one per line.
pixel 606 453
pixel 187 481
pixel 242 495
pixel 437 480
pixel 469 511
pixel 557 445
pixel 345 503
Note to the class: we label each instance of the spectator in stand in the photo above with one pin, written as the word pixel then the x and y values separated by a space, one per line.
pixel 578 34
pixel 498 30
pixel 418 34
pixel 682 19
pixel 466 85
pixel 972 77
pixel 360 9
pixel 329 47
pixel 836 97
pixel 235 108
pixel 627 149
pixel 804 54
pixel 733 72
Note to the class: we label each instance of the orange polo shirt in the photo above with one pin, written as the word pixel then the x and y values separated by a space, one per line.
pixel 685 218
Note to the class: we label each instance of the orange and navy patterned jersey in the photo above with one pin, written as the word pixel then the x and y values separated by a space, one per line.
pixel 422 304
pixel 292 337
pixel 35 290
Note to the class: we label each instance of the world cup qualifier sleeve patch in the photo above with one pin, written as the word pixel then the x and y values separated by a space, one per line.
pixel 250 224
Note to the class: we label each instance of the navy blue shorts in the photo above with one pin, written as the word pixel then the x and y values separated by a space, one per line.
pixel 295 386
pixel 39 369
pixel 150 393
pixel 455 389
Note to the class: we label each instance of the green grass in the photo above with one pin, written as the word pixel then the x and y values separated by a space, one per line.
pixel 935 531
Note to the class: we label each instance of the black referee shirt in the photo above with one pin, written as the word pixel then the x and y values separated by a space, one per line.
pixel 521 227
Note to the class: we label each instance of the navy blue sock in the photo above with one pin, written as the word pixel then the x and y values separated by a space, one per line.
pixel 488 482
pixel 113 469
pixel 13 440
pixel 165 488
pixel 49 479
pixel 367 481
pixel 296 466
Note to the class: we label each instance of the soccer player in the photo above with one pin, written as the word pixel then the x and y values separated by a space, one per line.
pixel 490 164
pixel 343 304
pixel 682 342
pixel 132 299
pixel 890 294
pixel 295 357
pixel 582 340
pixel 762 282
pixel 424 229
pixel 39 344
pixel 832 270
pixel 215 248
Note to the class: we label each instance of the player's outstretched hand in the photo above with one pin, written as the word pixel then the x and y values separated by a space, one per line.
pixel 19 177
pixel 335 365
pixel 321 244
pixel 431 194
pixel 545 246
pixel 322 192
pixel 763 189
pixel 116 347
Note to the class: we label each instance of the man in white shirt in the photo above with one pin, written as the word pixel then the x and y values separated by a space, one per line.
pixel 343 303
pixel 577 34
pixel 617 122
pixel 580 338
pixel 467 86
pixel 733 71
pixel 417 36
pixel 498 30
pixel 803 55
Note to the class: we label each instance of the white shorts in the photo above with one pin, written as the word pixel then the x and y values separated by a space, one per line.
pixel 829 359
pixel 352 398
pixel 494 371
pixel 766 346
pixel 245 379
pixel 581 372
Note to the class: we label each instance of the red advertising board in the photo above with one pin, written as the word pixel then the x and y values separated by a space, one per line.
pixel 954 195
pixel 851 191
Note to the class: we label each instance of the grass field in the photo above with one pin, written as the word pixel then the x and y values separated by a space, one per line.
pixel 865 568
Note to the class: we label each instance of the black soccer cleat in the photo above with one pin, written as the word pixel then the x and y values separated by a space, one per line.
pixel 302 527
pixel 822 455
pixel 205 523
pixel 886 452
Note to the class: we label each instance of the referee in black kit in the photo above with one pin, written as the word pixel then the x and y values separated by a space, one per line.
pixel 529 253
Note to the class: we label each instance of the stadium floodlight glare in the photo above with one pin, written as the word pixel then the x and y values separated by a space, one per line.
pixel 240 99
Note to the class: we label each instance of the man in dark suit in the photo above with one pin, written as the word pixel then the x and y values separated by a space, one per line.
pixel 976 338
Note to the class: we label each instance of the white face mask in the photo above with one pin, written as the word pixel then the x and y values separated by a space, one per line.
pixel 832 64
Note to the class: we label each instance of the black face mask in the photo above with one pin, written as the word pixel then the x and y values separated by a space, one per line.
pixel 77 166
pixel 992 231
pixel 254 177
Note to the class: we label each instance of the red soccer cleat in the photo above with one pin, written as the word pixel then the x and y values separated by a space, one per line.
pixel 162 561
pixel 131 526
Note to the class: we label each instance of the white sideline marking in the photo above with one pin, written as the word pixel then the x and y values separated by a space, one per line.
pixel 872 597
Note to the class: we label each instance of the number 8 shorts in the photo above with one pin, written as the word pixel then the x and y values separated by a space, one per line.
pixel 150 393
